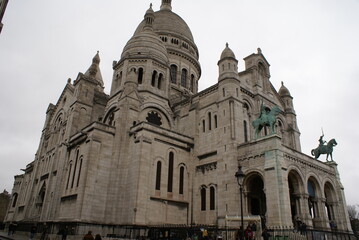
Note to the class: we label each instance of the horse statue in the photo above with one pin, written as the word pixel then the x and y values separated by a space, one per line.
pixel 325 149
pixel 266 119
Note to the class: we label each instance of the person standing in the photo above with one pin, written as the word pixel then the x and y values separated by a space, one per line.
pixel 89 236
pixel 265 234
pixel 64 233
pixel 44 232
pixel 254 229
pixel 33 231
pixel 248 233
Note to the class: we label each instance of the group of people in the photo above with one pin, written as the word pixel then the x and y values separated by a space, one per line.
pixel 63 232
pixel 250 233
pixel 89 236
pixel 12 228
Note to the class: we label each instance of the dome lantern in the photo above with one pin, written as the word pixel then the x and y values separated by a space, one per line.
pixel 166 5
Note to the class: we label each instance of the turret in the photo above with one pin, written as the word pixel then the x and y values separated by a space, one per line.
pixel 94 71
pixel 287 99
pixel 228 65
pixel 292 130
pixel 258 65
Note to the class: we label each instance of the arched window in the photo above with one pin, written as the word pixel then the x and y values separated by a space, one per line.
pixel 184 78
pixel 74 173
pixel 209 121
pixel 79 173
pixel 154 75
pixel 42 193
pixel 159 84
pixel 68 176
pixel 110 117
pixel 311 199
pixel 215 121
pixel 173 74
pixel 212 198
pixel 170 172
pixel 245 131
pixel 140 75
pixel 204 125
pixel 158 175
pixel 192 83
pixel 15 196
pixel 181 180
pixel 203 199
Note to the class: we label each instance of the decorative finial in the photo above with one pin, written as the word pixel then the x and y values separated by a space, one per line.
pixel 150 5
pixel 282 83
pixel 259 50
pixel 227 44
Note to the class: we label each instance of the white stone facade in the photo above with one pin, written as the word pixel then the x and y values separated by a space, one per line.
pixel 156 151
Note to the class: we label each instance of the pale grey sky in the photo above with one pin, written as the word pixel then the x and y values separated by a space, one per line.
pixel 312 47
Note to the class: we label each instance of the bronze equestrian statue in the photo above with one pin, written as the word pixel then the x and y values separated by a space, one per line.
pixel 267 118
pixel 324 149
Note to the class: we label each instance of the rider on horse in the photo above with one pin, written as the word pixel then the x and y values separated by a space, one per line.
pixel 321 142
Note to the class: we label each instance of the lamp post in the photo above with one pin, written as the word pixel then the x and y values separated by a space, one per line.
pixel 240 177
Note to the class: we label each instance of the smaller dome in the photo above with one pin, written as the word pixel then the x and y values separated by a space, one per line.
pixel 283 91
pixel 227 53
pixel 146 44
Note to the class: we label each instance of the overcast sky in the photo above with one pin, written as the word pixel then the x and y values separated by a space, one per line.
pixel 312 46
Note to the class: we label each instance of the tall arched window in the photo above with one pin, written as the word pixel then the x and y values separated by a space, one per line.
pixel 68 176
pixel 173 74
pixel 14 199
pixel 204 125
pixel 181 180
pixel 74 173
pixel 212 198
pixel 154 75
pixel 184 78
pixel 79 174
pixel 312 199
pixel 170 172
pixel 209 121
pixel 158 175
pixel 192 83
pixel 215 121
pixel 140 75
pixel 203 199
pixel 245 131
pixel 159 84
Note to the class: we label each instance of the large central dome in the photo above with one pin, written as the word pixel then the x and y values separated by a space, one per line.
pixel 169 22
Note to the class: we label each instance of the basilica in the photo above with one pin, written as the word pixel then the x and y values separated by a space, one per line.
pixel 157 151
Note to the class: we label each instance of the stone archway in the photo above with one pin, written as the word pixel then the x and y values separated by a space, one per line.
pixel 296 190
pixel 313 205
pixel 330 202
pixel 256 198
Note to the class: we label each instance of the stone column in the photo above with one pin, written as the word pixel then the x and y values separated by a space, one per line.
pixel 278 200
pixel 305 213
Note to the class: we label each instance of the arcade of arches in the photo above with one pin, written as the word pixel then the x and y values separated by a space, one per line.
pixel 310 203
